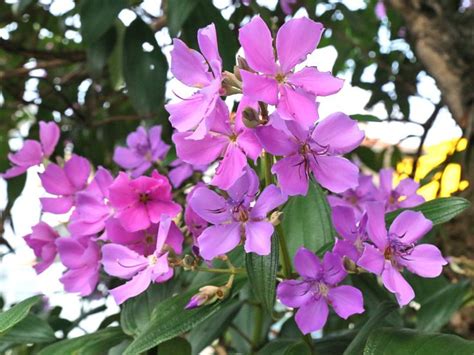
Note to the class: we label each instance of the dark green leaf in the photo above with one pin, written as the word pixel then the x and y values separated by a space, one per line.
pixel 32 329
pixel 366 118
pixel 262 272
pixel 178 13
pixel 408 341
pixel 97 16
pixel 299 348
pixel 165 324
pixel 307 221
pixel 178 346
pixel 438 211
pixel 144 71
pixel 97 343
pixel 439 308
pixel 17 313
pixel 276 347
pixel 99 51
pixel 357 345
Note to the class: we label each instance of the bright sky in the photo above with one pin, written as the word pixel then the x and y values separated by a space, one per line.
pixel 18 279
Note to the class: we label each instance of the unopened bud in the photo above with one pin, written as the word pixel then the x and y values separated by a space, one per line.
pixel 242 63
pixel 250 117
pixel 349 265
pixel 231 84
pixel 275 218
pixel 207 295
pixel 188 262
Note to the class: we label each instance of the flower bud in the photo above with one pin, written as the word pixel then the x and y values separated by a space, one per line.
pixel 250 117
pixel 275 218
pixel 188 262
pixel 231 84
pixel 208 295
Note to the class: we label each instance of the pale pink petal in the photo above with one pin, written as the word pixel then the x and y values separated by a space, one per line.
pixel 207 40
pixel 298 106
pixel 120 261
pixel 187 114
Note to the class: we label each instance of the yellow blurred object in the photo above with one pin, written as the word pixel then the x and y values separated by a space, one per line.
pixel 442 184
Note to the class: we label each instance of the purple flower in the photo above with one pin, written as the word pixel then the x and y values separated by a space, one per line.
pixel 144 148
pixel 33 152
pixel 396 249
pixel 142 201
pixel 194 222
pixel 92 206
pixel 191 68
pixel 380 10
pixel 225 139
pixel 318 288
pixel 181 171
pixel 122 262
pixel 356 198
pixel 81 256
pixel 316 150
pixel 352 230
pixel 64 182
pixel 276 83
pixel 402 196
pixel 43 242
pixel 233 219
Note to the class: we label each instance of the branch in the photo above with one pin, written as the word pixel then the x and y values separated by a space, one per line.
pixel 15 48
pixel 14 73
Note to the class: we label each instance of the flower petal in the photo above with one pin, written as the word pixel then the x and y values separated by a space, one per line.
pixel 270 198
pixel 209 206
pixel 395 283
pixel 316 82
pixel 134 218
pixel 49 137
pixel 276 141
pixel 346 177
pixel 77 170
pixel 57 205
pixel 29 155
pixel 333 270
pixel 376 224
pixel 259 88
pixel 294 293
pixel 199 152
pixel 344 222
pixel 312 316
pixel 372 260
pixel 138 284
pixel 188 65
pixel 297 105
pixel 120 261
pixel 424 260
pixel 258 237
pixel 230 168
pixel 410 226
pixel 346 301
pixel 307 264
pixel 218 240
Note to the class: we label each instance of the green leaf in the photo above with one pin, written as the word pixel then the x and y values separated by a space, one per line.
pixel 97 16
pixel 144 69
pixel 262 271
pixel 357 345
pixel 178 13
pixel 207 331
pixel 439 308
pixel 307 221
pixel 99 52
pixel 178 346
pixel 276 347
pixel 408 341
pixel 31 329
pixel 17 313
pixel 299 348
pixel 438 211
pixel 97 343
pixel 165 323
pixel 366 118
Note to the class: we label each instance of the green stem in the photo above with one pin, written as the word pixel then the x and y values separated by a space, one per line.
pixel 257 331
pixel 235 271
pixel 268 169
pixel 284 254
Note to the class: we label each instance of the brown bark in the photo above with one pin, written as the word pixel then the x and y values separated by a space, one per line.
pixel 443 39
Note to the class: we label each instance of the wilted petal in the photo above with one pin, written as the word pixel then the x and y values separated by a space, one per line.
pixel 312 316
pixel 307 264
pixel 259 88
pixel 49 137
pixel 256 40
pixel 424 260
pixel 338 133
pixel 218 240
pixel 410 226
pixel 258 237
pixel 291 49
pixel 346 301
pixel 316 82
pixel 395 283
pixel 346 177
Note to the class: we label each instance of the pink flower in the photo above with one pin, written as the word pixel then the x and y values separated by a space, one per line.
pixel 33 152
pixel 42 240
pixel 276 83
pixel 194 222
pixel 191 68
pixel 81 255
pixel 144 148
pixel 396 249
pixel 317 289
pixel 92 206
pixel 235 219
pixel 142 201
pixel 402 196
pixel 120 261
pixel 317 150
pixel 64 182
pixel 225 139
pixel 181 171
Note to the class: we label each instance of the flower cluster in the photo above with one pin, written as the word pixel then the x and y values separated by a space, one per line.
pixel 131 226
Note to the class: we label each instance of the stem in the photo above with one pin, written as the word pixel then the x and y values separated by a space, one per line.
pixel 221 271
pixel 268 169
pixel 284 255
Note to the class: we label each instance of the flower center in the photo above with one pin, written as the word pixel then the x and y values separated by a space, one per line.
pixel 144 197
pixel 323 289
pixel 280 77
pixel 152 260
pixel 240 214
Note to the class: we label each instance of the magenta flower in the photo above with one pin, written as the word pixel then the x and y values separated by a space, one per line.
pixel 33 152
pixel 396 249
pixel 402 196
pixel 314 151
pixel 234 219
pixel 120 261
pixel 141 202
pixel 318 288
pixel 42 240
pixel 64 182
pixel 81 255
pixel 194 222
pixel 92 206
pixel 192 69
pixel 356 198
pixel 352 231
pixel 225 139
pixel 181 171
pixel 144 148
pixel 276 83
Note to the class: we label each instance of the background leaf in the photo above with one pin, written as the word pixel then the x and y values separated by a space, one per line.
pixel 97 16
pixel 17 313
